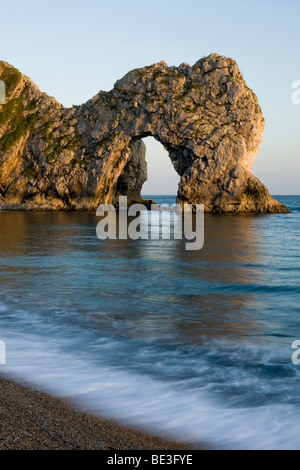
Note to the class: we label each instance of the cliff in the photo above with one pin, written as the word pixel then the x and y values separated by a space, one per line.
pixel 209 121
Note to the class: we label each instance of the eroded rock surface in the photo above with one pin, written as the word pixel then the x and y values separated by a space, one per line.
pixel 210 122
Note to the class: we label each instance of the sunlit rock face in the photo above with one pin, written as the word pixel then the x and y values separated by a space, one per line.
pixel 209 121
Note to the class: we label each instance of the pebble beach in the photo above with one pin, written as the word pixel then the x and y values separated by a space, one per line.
pixel 34 420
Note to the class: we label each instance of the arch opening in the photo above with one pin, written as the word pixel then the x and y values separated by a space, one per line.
pixel 162 178
pixel 148 174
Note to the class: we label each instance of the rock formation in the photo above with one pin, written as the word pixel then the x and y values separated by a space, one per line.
pixel 209 121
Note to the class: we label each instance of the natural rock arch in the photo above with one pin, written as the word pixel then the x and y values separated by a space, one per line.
pixel 205 116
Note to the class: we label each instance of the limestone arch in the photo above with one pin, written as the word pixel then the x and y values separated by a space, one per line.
pixel 206 117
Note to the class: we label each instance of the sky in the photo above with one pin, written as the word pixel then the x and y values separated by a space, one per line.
pixel 73 49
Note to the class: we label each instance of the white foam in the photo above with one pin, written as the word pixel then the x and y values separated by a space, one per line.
pixel 142 400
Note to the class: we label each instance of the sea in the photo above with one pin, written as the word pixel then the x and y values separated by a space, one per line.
pixel 199 345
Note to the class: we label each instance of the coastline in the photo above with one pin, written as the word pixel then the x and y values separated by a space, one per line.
pixel 35 420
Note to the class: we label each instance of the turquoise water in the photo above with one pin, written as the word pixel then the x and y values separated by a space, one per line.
pixel 195 344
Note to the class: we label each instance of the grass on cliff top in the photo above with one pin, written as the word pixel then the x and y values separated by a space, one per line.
pixel 17 125
pixel 11 115
pixel 11 112
pixel 11 77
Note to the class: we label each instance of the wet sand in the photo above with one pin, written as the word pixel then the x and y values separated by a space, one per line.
pixel 34 420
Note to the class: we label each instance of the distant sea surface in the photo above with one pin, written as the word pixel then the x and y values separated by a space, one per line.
pixel 194 344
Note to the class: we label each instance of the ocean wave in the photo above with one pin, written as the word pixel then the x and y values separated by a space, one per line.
pixel 229 394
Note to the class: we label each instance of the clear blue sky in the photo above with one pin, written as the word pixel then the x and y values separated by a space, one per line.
pixel 73 49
